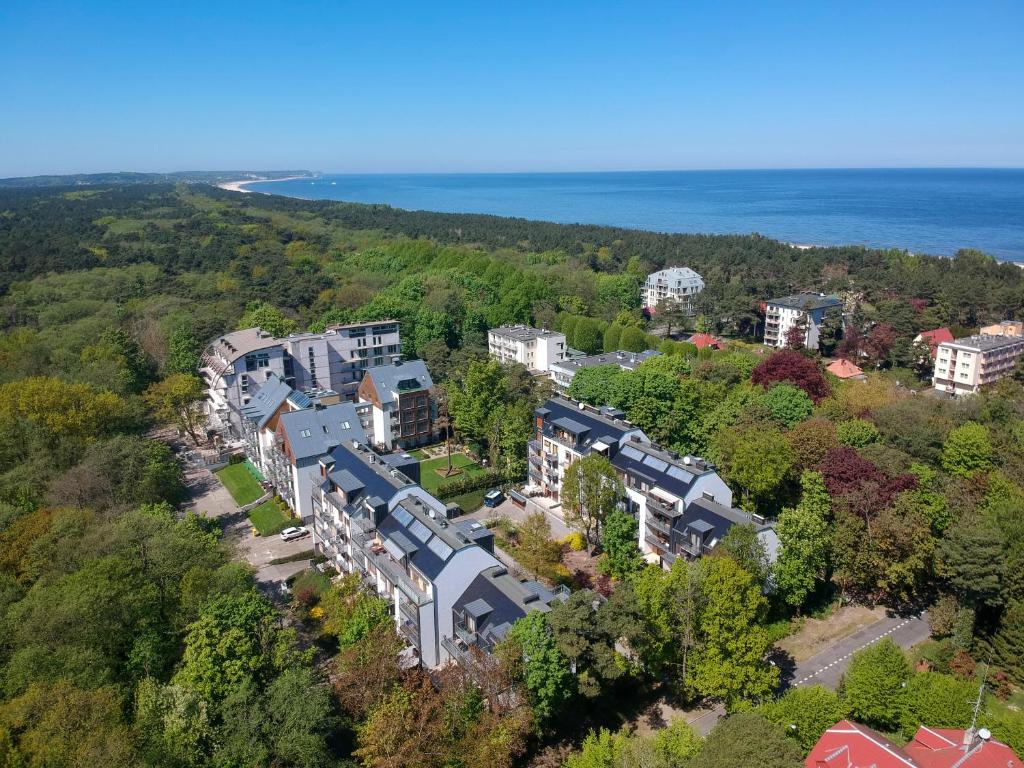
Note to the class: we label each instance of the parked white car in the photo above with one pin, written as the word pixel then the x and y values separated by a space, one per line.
pixel 289 534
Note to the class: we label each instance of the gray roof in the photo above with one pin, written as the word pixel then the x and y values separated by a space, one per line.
pixel 663 469
pixel 264 404
pixel 362 471
pixel 478 608
pixel 410 519
pixel 983 342
pixel 626 360
pixel 236 344
pixel 407 376
pixel 508 599
pixel 808 302
pixel 316 431
pixel 523 332
pixel 703 515
pixel 594 423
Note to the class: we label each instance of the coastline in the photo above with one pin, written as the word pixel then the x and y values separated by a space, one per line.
pixel 241 184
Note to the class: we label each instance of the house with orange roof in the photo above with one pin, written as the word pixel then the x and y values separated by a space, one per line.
pixel 844 369
pixel 934 338
pixel 705 341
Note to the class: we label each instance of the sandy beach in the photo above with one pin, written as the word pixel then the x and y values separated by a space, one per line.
pixel 241 184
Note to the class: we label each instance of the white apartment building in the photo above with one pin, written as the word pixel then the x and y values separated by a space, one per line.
pixel 682 505
pixel 447 590
pixel 784 313
pixel 235 366
pixel 678 284
pixel 564 371
pixel 963 366
pixel 536 348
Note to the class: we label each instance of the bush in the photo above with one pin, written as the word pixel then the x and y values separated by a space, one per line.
pixel 237 458
pixel 856 433
pixel 574 541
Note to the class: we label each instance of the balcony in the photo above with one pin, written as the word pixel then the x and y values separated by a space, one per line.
pixel 657 542
pixel 409 632
pixel 661 506
pixel 535 460
pixel 653 523
pixel 534 445
pixel 468 638
pixel 409 610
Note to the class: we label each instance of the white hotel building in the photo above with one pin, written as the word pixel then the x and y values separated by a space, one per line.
pixel 536 348
pixel 678 284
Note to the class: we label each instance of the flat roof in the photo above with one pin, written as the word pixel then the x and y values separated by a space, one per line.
pixel 523 332
pixel 806 301
pixel 621 358
pixel 983 342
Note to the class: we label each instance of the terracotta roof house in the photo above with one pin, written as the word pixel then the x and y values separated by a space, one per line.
pixel 705 341
pixel 844 369
pixel 949 747
pixel 934 338
pixel 851 745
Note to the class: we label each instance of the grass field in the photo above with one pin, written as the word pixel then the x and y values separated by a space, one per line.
pixel 470 502
pixel 432 481
pixel 268 518
pixel 240 483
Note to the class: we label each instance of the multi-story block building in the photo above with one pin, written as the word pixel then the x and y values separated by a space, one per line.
pixel 566 431
pixel 260 418
pixel 300 438
pixel 447 590
pixel 1005 328
pixel 806 310
pixel 563 372
pixel 536 348
pixel 403 409
pixel 673 497
pixel 963 366
pixel 680 285
pixel 235 366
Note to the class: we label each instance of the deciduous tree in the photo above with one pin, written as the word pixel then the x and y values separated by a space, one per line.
pixel 874 687
pixel 590 490
pixel 178 399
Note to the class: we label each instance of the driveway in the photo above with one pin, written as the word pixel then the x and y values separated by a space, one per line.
pixel 209 498
pixel 515 513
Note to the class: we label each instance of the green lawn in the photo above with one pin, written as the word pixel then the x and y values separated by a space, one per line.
pixel 417 453
pixel 470 502
pixel 240 483
pixel 269 518
pixel 432 481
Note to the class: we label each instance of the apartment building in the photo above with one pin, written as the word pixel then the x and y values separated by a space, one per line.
pixel 259 420
pixel 447 590
pixel 403 408
pixel 806 309
pixel 677 284
pixel 565 432
pixel 682 505
pixel 563 372
pixel 963 366
pixel 1013 328
pixel 237 365
pixel 300 438
pixel 536 348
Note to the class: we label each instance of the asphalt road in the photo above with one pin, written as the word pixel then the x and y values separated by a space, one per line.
pixel 828 666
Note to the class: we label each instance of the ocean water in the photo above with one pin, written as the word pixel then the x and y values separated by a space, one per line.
pixel 935 211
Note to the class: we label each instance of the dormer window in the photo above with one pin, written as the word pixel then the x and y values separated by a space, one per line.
pixel 306 433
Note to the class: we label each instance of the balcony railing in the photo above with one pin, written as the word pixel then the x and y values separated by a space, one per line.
pixel 409 632
pixel 661 506
pixel 658 525
pixel 657 542
pixel 467 637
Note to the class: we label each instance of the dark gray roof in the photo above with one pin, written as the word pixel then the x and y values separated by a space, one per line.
pixel 508 599
pixel 325 427
pixel 264 404
pixel 353 467
pixel 407 376
pixel 437 542
pixel 566 413
pixel 659 467
pixel 808 302
pixel 703 515
pixel 478 608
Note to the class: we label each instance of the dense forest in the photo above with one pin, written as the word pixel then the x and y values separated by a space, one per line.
pixel 129 635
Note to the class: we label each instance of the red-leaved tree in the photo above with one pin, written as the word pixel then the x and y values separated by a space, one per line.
pixel 867 489
pixel 793 367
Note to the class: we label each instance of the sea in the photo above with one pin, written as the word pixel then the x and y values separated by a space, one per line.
pixel 934 211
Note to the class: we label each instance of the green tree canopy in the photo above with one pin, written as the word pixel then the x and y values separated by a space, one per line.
pixel 874 687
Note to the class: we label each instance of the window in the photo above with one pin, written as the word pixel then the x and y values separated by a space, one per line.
pixel 345 425
pixel 243 382
pixel 306 433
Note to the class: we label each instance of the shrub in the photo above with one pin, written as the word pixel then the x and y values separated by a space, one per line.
pixel 574 541
pixel 237 458
pixel 856 433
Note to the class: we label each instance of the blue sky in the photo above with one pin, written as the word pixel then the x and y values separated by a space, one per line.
pixel 493 86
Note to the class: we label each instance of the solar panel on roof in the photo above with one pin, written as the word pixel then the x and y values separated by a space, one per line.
pixel 679 473
pixel 403 516
pixel 439 548
pixel 631 453
pixel 419 530
pixel 655 463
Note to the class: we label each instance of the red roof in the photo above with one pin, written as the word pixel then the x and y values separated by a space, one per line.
pixel 851 745
pixel 944 748
pixel 936 337
pixel 705 340
pixel 844 369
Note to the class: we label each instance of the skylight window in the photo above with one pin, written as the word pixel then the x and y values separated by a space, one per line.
pixel 439 548
pixel 419 530
pixel 402 516
pixel 306 433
